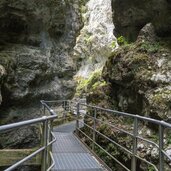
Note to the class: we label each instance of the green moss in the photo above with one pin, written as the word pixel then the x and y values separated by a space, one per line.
pixel 99 84
pixel 87 84
pixel 82 86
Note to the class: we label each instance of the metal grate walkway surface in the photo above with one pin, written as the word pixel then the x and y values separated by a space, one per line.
pixel 70 154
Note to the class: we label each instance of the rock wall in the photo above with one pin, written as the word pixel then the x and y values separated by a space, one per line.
pixel 135 79
pixel 96 40
pixel 36 45
pixel 140 75
pixel 36 40
pixel 130 17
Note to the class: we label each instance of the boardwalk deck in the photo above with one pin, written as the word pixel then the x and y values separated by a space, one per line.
pixel 70 154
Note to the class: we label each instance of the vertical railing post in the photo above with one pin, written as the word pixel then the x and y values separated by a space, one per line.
pixel 42 127
pixel 77 118
pixel 69 106
pixel 49 140
pixel 161 156
pixel 64 114
pixel 94 128
pixel 44 140
pixel 134 150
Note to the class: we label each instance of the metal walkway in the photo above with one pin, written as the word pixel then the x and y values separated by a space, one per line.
pixel 60 150
pixel 69 154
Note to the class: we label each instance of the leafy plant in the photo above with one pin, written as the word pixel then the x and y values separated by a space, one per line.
pixel 113 44
pixel 149 47
pixel 122 41
pixel 151 168
pixel 168 137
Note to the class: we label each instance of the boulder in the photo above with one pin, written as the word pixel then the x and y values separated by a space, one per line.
pixel 140 75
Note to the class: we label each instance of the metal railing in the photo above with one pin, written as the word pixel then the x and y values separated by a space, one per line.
pixel 92 112
pixel 47 140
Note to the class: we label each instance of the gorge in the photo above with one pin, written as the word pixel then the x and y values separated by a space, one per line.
pixel 114 53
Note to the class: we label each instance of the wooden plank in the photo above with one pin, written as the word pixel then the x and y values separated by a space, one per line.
pixel 11 156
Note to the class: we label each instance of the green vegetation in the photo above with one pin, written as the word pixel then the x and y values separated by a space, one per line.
pixel 90 83
pixel 168 138
pixel 151 168
pixel 122 40
pixel 113 44
pixel 99 84
pixel 149 47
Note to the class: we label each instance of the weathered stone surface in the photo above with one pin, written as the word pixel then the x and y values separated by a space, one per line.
pixel 147 33
pixel 23 138
pixel 36 46
pixel 137 80
pixel 96 40
pixel 36 43
pixel 132 15
pixel 140 74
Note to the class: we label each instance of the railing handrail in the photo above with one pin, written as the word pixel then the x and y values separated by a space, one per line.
pixel 159 122
pixel 44 119
pixel 26 123
pixel 67 103
pixel 135 135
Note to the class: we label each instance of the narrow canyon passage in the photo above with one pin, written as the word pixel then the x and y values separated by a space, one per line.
pixel 114 54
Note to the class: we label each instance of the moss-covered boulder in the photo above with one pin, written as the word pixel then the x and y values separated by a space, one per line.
pixel 140 74
pixel 137 80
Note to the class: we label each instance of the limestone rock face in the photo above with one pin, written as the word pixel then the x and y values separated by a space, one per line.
pixel 36 40
pixel 2 73
pixel 140 75
pixel 36 43
pixel 96 40
pixel 131 15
